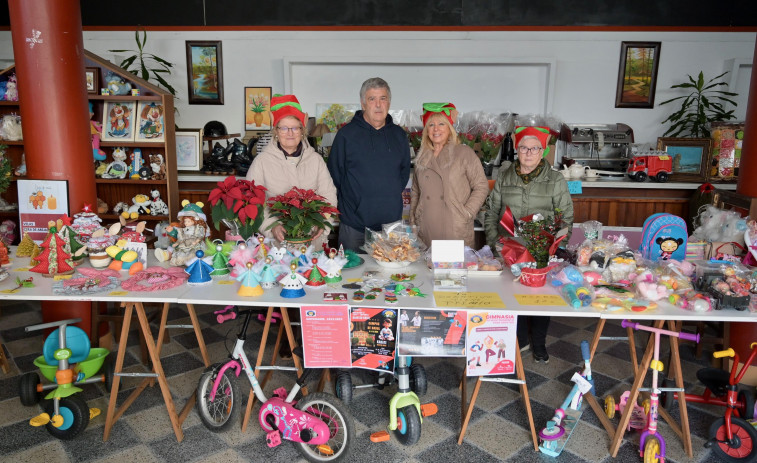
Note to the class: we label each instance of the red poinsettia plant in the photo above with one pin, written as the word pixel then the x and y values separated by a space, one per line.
pixel 238 204
pixel 300 211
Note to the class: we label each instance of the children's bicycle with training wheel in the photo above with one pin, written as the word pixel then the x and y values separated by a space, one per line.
pixel 318 424
pixel 732 438
pixel 67 362
pixel 651 443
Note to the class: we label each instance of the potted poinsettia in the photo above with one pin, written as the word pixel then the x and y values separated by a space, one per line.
pixel 238 204
pixel 300 211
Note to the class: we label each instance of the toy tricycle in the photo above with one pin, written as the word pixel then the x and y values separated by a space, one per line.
pixel 68 362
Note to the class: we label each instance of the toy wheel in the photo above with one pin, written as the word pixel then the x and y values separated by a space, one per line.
pixel 418 382
pixel 746 397
pixel 742 448
pixel 408 425
pixel 343 386
pixel 341 428
pixel 667 397
pixel 610 406
pixel 218 414
pixel 640 176
pixel 75 413
pixel 27 389
pixel 662 177
pixel 646 405
pixel 109 371
pixel 652 450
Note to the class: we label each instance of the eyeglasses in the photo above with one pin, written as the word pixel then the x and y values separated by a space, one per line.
pixel 289 129
pixel 534 150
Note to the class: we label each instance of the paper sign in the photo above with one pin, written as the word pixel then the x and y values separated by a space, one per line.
pixel 447 251
pixel 25 269
pixel 490 343
pixel 61 277
pixel 434 333
pixel 40 201
pixel 326 336
pixel 118 293
pixel 583 385
pixel 9 291
pixel 540 299
pixel 373 335
pixel 225 282
pixel 574 187
pixel 354 280
pixel 471 300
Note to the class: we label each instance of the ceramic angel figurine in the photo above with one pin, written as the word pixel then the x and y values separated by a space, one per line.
pixel 189 238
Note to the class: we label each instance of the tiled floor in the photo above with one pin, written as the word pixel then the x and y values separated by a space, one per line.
pixel 498 430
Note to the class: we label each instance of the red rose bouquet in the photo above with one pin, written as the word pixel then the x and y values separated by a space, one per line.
pixel 239 205
pixel 299 211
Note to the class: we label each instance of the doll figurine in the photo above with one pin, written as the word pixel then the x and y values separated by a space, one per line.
pixel 95 131
pixel 250 283
pixel 189 238
pixel 292 283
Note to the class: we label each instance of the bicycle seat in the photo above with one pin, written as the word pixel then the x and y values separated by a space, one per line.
pixel 714 379
pixel 76 340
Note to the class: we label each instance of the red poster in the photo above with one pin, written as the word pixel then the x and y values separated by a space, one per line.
pixel 373 333
pixel 326 336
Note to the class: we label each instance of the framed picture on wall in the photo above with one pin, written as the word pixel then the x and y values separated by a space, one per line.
pixel 118 121
pixel 92 77
pixel 188 149
pixel 150 121
pixel 690 157
pixel 257 108
pixel 637 77
pixel 204 72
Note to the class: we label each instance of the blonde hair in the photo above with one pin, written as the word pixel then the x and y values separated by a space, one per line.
pixel 426 139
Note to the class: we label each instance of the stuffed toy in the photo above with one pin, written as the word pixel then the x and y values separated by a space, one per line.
pixel 11 90
pixel 117 168
pixel 734 227
pixel 116 84
pixel 102 206
pixel 141 206
pixel 652 291
pixel 159 207
pixel 709 222
pixel 157 166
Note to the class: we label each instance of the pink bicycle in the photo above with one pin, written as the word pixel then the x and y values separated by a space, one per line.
pixel 319 424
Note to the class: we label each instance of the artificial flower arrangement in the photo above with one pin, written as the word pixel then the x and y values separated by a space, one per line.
pixel 238 204
pixel 538 239
pixel 299 211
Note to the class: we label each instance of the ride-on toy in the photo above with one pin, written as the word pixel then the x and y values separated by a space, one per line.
pixel 319 424
pixel 732 438
pixel 560 427
pixel 68 362
pixel 651 443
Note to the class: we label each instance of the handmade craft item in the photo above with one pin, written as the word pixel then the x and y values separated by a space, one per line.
pixel 89 281
pixel 250 283
pixel 219 252
pixel 199 270
pixel 53 260
pixel 25 247
pixel 333 267
pixel 268 277
pixel 315 276
pixel 155 279
pixel 292 283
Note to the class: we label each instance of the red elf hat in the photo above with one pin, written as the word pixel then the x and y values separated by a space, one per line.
pixel 286 105
pixel 542 133
pixel 446 109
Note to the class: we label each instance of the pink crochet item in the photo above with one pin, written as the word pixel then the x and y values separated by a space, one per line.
pixel 155 279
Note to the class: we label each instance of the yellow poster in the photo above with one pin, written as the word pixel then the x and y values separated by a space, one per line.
pixel 469 300
pixel 540 299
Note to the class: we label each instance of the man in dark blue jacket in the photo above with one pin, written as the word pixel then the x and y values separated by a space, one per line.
pixel 370 165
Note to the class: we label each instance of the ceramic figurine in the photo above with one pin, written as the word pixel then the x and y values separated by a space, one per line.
pixel 159 207
pixel 250 283
pixel 292 283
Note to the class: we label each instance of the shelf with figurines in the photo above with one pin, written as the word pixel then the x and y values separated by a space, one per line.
pixel 124 97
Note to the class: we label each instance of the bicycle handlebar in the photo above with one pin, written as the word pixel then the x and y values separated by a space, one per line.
pixel 724 353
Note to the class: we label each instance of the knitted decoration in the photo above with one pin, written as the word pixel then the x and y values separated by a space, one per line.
pixel 25 247
pixel 155 279
pixel 53 260
pixel 91 281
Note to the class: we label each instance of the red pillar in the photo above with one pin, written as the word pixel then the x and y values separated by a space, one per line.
pixel 748 166
pixel 49 52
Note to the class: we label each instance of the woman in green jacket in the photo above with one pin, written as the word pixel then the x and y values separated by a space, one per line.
pixel 529 186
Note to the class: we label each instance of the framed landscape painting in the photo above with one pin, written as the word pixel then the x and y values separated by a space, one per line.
pixel 637 77
pixel 690 157
pixel 204 72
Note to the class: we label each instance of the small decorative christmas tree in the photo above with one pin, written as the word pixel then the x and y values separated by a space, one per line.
pixel 26 246
pixel 53 260
pixel 71 244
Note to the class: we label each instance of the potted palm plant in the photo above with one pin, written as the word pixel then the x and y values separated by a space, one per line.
pixel 705 103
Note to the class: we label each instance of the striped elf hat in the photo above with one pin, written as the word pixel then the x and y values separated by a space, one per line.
pixel 286 105
pixel 542 133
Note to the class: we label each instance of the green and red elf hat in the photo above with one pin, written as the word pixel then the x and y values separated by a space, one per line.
pixel 542 133
pixel 286 105
pixel 446 109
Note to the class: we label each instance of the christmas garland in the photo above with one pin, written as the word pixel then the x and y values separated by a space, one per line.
pixel 155 279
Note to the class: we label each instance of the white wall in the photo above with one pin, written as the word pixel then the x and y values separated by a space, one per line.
pixel 585 66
